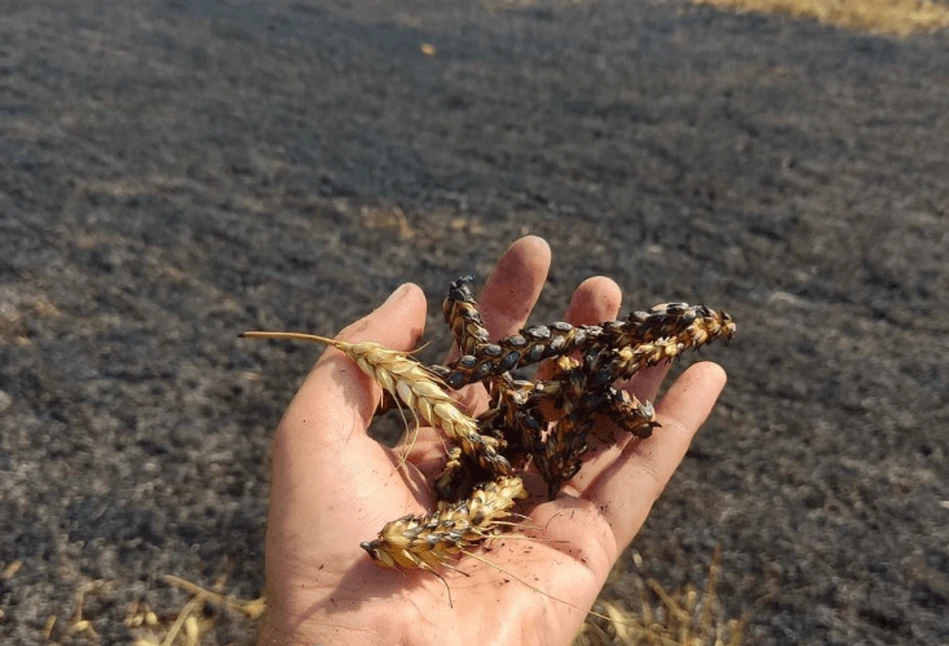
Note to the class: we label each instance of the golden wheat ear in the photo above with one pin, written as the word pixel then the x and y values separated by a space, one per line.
pixel 350 350
pixel 408 380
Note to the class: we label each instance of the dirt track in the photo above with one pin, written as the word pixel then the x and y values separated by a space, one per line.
pixel 174 172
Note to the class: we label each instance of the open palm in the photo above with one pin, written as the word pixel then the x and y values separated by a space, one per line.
pixel 334 487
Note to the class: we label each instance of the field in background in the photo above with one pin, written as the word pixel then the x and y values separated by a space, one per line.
pixel 899 17
pixel 172 173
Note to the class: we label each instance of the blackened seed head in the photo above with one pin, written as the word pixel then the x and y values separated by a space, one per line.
pixel 509 361
pixel 515 341
pixel 456 380
pixel 468 313
pixel 468 361
pixel 561 326
pixel 483 370
pixel 479 334
pixel 542 387
pixel 536 353
pixel 578 442
pixel 461 281
pixel 458 291
pixel 492 350
pixel 539 332
pixel 595 400
pixel 590 357
pixel 601 380
pixel 675 312
pixel 439 371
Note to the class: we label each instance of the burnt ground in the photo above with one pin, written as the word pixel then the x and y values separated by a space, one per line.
pixel 174 172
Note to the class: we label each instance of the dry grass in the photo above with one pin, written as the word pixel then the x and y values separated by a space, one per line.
pixel 686 617
pixel 18 307
pixel 193 621
pixel 651 616
pixel 897 17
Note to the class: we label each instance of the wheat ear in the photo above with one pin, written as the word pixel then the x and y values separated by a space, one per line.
pixel 425 542
pixel 674 329
pixel 409 381
pixel 461 313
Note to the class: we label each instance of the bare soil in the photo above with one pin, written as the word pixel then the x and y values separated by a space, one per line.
pixel 172 173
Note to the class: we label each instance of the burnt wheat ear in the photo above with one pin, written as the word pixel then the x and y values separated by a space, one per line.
pixel 461 313
pixel 664 332
pixel 580 390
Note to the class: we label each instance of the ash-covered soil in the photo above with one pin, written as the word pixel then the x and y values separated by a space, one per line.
pixel 172 173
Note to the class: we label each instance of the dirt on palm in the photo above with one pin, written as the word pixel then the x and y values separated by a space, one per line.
pixel 172 173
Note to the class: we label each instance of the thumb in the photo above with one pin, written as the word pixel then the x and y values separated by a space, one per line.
pixel 327 486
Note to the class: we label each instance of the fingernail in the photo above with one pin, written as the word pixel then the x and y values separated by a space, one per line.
pixel 397 294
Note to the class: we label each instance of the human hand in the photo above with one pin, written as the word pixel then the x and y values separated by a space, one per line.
pixel 334 487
